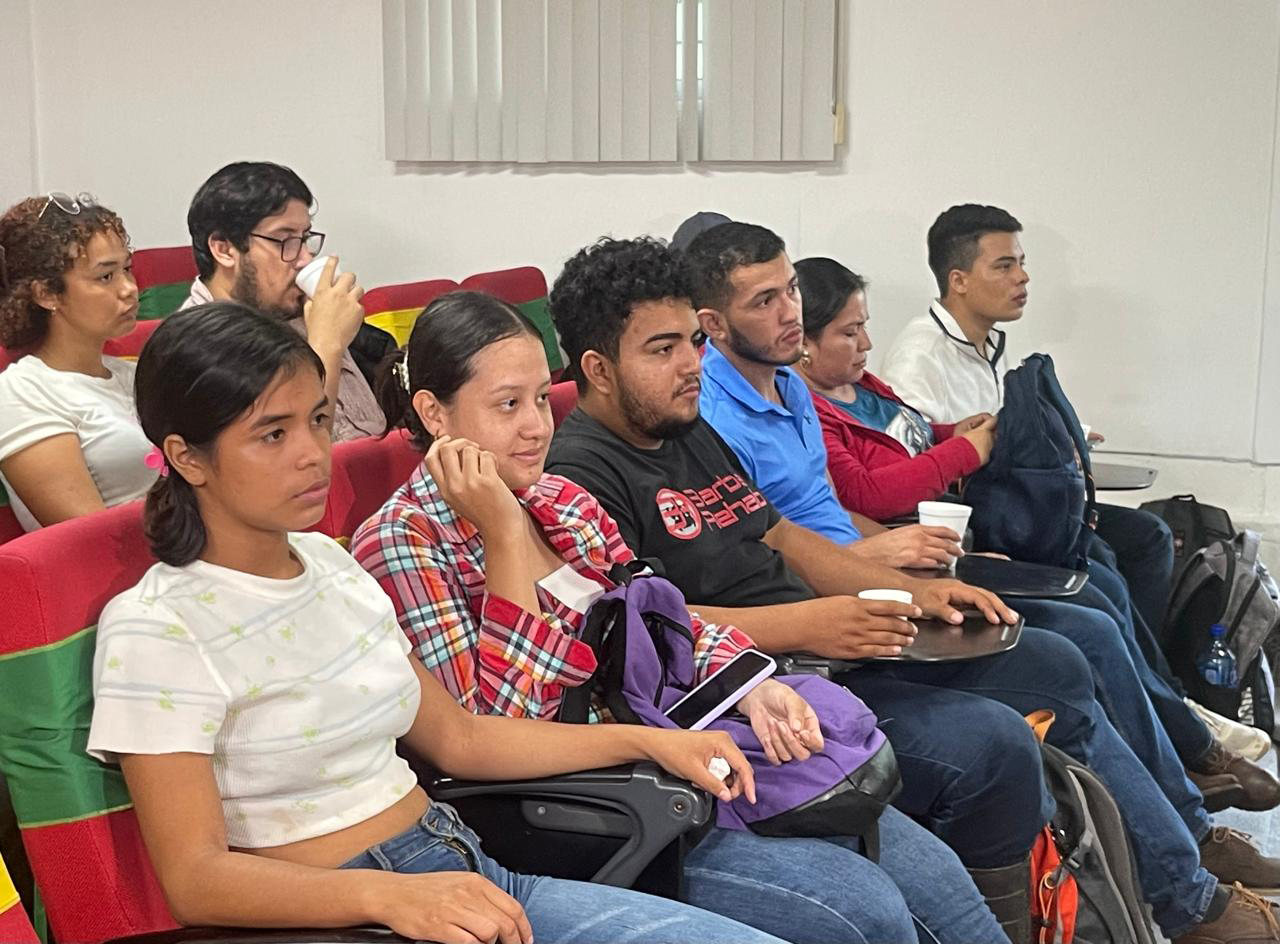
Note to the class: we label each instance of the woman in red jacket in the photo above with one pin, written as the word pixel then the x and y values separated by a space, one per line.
pixel 883 456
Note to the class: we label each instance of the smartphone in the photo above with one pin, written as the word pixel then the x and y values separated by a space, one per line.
pixel 723 690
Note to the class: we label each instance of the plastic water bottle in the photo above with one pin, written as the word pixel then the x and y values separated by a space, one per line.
pixel 1217 664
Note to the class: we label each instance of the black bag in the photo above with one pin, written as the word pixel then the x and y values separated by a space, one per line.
pixel 1194 525
pixel 1091 839
pixel 1226 583
pixel 1034 499
pixel 370 345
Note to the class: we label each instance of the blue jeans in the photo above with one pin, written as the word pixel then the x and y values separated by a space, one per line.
pixel 824 890
pixel 560 911
pixel 1124 697
pixel 1048 671
pixel 971 768
pixel 1143 547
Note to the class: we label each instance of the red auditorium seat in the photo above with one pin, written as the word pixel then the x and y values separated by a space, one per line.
pixel 394 308
pixel 164 278
pixel 364 474
pixel 15 926
pixel 564 397
pixel 130 346
pixel 526 288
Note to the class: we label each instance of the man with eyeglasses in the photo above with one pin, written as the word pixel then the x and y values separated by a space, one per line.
pixel 250 226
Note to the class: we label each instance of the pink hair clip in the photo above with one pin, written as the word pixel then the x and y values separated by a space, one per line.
pixel 155 460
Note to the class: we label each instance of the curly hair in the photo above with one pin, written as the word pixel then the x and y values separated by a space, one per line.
pixel 714 253
pixel 593 296
pixel 42 249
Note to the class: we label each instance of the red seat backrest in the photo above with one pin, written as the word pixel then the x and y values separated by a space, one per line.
pixel 364 474
pixel 131 344
pixel 564 397
pixel 517 286
pixel 164 265
pixel 405 295
pixel 81 836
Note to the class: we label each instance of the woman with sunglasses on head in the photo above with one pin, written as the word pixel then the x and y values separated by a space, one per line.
pixel 254 684
pixel 70 443
pixel 493 565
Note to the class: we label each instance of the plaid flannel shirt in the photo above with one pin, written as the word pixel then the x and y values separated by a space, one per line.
pixel 492 655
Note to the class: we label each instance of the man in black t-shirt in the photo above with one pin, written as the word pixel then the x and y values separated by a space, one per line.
pixel 971 769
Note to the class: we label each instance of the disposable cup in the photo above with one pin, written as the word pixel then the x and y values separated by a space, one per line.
pixel 309 278
pixel 887 594
pixel 945 515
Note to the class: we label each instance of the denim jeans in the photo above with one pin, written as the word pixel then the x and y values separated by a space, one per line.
pixel 1048 671
pixel 824 890
pixel 1109 592
pixel 1124 698
pixel 1143 547
pixel 560 911
pixel 971 769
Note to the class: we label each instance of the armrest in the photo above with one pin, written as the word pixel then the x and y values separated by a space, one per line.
pixel 640 804
pixel 361 935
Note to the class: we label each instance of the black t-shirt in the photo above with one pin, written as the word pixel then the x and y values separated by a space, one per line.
pixel 690 504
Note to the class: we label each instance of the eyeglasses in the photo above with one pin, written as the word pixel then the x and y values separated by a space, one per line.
pixel 66 203
pixel 291 246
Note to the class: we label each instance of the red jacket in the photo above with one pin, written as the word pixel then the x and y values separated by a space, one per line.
pixel 874 474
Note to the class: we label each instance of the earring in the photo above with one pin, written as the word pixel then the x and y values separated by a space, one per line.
pixel 804 356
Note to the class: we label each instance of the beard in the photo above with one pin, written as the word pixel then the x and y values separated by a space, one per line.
pixel 748 351
pixel 649 422
pixel 245 291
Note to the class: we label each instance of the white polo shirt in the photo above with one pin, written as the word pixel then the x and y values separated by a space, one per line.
pixel 939 372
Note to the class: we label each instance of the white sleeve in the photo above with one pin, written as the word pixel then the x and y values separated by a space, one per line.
pixel 918 380
pixel 29 413
pixel 153 691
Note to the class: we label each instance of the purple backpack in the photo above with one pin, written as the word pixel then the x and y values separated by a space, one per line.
pixel 641 635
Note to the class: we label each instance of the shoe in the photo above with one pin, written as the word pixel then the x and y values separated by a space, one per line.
pixel 1219 790
pixel 1247 920
pixel 1262 791
pixel 1249 742
pixel 1007 892
pixel 1231 856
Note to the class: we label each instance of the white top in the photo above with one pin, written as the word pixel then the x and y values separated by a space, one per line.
pixel 936 370
pixel 298 688
pixel 38 402
pixel 572 589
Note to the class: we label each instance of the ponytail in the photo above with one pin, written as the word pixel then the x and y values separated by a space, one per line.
pixel 396 402
pixel 171 521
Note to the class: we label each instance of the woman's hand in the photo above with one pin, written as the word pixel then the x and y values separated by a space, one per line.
pixel 981 436
pixel 467 477
pixel 784 722
pixel 452 908
pixel 687 754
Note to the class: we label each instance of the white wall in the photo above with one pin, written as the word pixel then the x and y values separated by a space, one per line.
pixel 1134 140
pixel 18 156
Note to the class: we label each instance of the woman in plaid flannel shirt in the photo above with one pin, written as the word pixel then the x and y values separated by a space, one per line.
pixel 491 566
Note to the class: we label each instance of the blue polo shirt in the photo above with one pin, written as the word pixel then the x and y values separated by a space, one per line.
pixel 781 447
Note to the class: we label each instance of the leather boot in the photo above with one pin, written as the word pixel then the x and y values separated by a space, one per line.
pixel 1262 791
pixel 1007 892
pixel 1219 790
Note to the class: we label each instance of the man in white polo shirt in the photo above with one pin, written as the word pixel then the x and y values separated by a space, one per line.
pixel 951 363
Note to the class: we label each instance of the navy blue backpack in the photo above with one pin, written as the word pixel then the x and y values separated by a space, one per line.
pixel 1034 499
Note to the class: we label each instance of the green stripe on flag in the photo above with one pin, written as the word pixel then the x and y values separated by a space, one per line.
pixel 536 311
pixel 161 301
pixel 46 704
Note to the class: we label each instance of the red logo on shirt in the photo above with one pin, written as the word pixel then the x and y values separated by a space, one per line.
pixel 725 502
pixel 678 514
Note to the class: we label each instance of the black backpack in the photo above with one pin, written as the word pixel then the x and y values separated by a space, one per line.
pixel 1225 583
pixel 1194 525
pixel 1034 499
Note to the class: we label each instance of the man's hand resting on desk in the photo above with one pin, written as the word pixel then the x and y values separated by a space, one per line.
pixel 845 627
pixel 939 599
pixel 924 547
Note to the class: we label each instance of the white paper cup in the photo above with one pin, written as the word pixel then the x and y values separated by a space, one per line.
pixel 889 595
pixel 945 515
pixel 1087 429
pixel 309 278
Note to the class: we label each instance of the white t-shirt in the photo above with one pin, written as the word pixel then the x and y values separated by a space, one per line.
pixel 38 402
pixel 936 370
pixel 298 688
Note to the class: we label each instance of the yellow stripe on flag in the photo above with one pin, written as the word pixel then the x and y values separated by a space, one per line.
pixel 398 323
pixel 8 894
